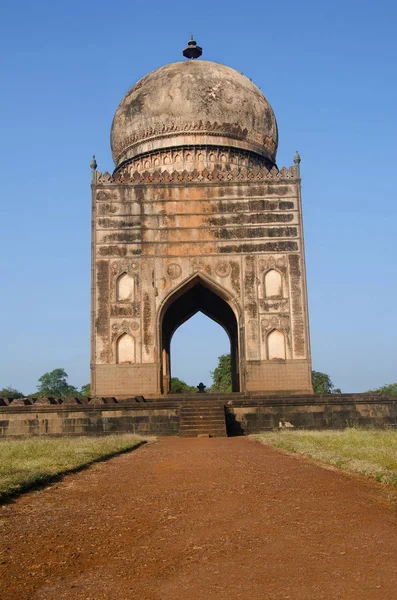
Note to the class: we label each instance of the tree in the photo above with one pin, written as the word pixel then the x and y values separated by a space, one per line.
pixel 85 390
pixel 389 389
pixel 54 384
pixel 10 393
pixel 222 375
pixel 177 386
pixel 322 384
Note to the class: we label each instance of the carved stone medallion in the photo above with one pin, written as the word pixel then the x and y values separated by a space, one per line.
pixel 102 196
pixel 222 269
pixel 174 271
pixel 284 322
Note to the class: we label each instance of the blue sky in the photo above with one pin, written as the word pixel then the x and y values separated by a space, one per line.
pixel 329 71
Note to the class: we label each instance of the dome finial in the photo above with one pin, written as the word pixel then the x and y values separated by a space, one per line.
pixel 297 161
pixel 192 50
pixel 93 165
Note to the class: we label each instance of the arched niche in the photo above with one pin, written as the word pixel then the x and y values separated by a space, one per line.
pixel 273 284
pixel 125 288
pixel 125 350
pixel 276 345
pixel 197 295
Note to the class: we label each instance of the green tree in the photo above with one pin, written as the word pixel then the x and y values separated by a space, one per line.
pixel 389 389
pixel 222 375
pixel 54 384
pixel 10 393
pixel 85 390
pixel 322 384
pixel 177 386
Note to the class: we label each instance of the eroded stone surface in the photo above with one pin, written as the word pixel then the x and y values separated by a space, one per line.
pixel 193 103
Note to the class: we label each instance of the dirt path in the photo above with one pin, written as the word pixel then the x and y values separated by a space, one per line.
pixel 198 519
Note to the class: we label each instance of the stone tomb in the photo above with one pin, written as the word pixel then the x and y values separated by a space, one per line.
pixel 197 217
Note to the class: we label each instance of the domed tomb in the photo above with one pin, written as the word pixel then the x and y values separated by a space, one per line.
pixel 196 113
pixel 172 238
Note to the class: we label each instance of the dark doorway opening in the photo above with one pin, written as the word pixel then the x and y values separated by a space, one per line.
pixel 197 295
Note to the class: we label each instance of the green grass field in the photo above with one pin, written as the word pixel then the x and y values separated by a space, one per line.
pixel 370 452
pixel 25 463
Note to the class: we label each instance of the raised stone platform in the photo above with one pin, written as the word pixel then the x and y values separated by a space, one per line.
pixel 191 415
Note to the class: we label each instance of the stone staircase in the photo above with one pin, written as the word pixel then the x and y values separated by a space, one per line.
pixel 202 417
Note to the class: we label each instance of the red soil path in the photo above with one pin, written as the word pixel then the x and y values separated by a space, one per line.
pixel 198 519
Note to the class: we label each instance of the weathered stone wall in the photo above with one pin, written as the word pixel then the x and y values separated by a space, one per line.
pixel 244 414
pixel 329 412
pixel 277 374
pixel 89 419
pixel 232 228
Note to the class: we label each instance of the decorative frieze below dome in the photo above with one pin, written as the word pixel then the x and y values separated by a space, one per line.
pixel 193 157
pixel 182 176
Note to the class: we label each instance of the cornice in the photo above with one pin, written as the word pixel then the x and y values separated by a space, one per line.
pixel 217 175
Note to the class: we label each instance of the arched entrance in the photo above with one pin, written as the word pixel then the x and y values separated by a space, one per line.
pixel 197 294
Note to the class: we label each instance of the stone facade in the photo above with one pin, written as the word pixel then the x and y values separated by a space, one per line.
pixel 197 217
pixel 237 233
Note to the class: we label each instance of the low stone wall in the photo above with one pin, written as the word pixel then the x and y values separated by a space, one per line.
pixel 244 417
pixel 50 417
pixel 244 414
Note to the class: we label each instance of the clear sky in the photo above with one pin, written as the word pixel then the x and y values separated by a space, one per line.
pixel 329 72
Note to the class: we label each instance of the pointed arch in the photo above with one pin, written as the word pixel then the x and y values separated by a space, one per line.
pixel 205 281
pixel 276 345
pixel 125 288
pixel 272 284
pixel 125 349
pixel 197 294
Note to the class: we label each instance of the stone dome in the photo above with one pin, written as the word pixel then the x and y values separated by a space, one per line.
pixel 195 104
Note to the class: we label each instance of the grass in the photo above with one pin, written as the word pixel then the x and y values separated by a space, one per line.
pixel 31 462
pixel 370 452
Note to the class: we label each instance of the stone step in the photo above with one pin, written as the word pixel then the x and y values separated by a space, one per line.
pixel 202 409
pixel 199 409
pixel 201 426
pixel 205 415
pixel 202 418
pixel 204 433
pixel 215 419
pixel 202 422
pixel 206 409
pixel 219 426
pixel 196 430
